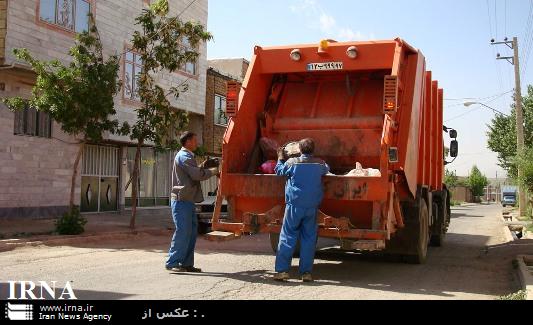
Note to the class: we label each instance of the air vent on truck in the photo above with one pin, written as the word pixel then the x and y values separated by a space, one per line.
pixel 232 98
pixel 390 94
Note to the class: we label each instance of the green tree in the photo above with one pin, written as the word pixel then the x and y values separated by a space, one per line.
pixel 477 182
pixel 525 161
pixel 502 134
pixel 158 44
pixel 79 96
pixel 450 179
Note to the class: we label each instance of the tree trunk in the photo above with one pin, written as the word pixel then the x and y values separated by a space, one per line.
pixel 134 183
pixel 75 175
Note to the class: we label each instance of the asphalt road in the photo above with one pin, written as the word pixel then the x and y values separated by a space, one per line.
pixel 470 266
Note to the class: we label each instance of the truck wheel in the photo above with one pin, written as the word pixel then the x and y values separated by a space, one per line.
pixel 274 240
pixel 420 239
pixel 439 230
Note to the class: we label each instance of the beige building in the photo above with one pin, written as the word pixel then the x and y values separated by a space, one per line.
pixel 36 157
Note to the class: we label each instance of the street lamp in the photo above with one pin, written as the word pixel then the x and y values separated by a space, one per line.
pixel 468 104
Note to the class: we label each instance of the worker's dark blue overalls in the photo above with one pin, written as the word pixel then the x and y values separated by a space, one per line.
pixel 303 195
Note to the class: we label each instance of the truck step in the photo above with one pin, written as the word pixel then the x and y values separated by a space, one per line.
pixel 221 236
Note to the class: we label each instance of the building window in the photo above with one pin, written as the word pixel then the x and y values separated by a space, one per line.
pixel 33 123
pixel 72 15
pixel 191 66
pixel 132 68
pixel 154 178
pixel 220 110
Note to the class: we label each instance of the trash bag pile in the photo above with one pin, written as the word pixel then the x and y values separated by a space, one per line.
pixel 269 148
pixel 359 171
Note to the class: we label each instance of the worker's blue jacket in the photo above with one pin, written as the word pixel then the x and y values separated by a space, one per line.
pixel 304 187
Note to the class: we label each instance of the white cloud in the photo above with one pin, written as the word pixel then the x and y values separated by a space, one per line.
pixel 306 7
pixel 347 34
pixel 327 24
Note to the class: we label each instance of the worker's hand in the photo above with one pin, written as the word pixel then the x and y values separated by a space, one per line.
pixel 214 171
pixel 281 153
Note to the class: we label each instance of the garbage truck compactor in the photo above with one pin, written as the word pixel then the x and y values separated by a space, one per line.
pixel 373 103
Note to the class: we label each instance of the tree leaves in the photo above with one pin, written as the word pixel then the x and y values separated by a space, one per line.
pixel 158 44
pixel 80 95
pixel 477 182
pixel 502 134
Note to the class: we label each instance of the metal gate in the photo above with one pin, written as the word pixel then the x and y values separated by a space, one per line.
pixel 99 179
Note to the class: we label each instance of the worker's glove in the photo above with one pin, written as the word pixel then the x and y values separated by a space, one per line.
pixel 210 163
pixel 214 171
pixel 281 154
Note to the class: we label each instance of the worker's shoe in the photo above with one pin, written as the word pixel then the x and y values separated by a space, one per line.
pixel 191 269
pixel 307 277
pixel 281 276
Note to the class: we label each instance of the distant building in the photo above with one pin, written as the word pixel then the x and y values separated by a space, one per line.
pixel 220 71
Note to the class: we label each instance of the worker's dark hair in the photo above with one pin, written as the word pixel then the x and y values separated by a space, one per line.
pixel 186 136
pixel 307 146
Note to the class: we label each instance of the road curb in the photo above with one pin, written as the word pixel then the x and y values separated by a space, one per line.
pixel 525 272
pixel 507 233
pixel 11 244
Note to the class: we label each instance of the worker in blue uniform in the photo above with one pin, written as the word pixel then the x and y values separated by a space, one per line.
pixel 186 192
pixel 303 195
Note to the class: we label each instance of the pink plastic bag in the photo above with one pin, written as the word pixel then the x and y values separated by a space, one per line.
pixel 268 167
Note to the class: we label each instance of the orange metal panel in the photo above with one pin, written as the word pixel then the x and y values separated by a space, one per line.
pixel 427 131
pixel 440 142
pixel 371 56
pixel 434 136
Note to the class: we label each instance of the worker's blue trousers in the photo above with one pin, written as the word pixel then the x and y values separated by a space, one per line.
pixel 299 223
pixel 181 252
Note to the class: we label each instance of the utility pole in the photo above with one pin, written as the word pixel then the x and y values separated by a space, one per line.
pixel 514 60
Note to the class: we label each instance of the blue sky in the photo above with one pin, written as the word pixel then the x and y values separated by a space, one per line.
pixel 454 36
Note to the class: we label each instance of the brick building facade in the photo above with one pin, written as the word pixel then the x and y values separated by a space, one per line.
pixel 215 122
pixel 36 157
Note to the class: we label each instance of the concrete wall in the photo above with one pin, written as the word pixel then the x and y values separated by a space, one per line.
pixel 462 194
pixel 235 68
pixel 3 29
pixel 35 173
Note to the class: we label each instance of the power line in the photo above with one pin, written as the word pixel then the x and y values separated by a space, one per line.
pixel 505 18
pixel 491 35
pixel 489 99
pixel 528 39
pixel 496 17
pixel 461 115
pixel 480 98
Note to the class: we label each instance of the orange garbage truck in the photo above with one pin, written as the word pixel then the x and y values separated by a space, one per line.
pixel 372 104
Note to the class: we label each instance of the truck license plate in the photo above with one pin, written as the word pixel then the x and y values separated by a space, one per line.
pixel 325 66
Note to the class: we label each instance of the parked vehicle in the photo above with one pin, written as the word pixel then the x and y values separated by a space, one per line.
pixel 509 194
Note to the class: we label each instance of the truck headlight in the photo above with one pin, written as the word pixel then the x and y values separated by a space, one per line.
pixel 296 55
pixel 351 52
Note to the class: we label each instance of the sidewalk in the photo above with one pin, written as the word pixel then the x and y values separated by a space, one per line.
pixel 22 232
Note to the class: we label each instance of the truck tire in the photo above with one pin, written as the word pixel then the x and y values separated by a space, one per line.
pixel 274 240
pixel 439 230
pixel 438 233
pixel 420 237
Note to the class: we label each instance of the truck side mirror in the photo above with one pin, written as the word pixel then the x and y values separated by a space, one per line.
pixel 453 134
pixel 454 148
